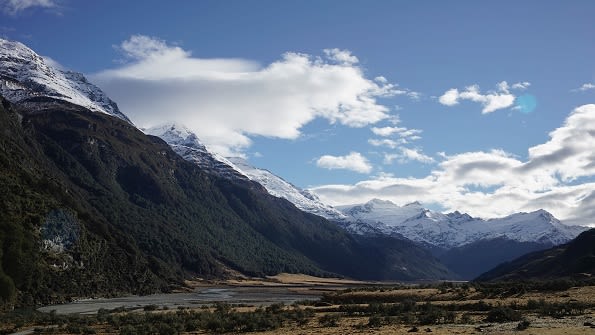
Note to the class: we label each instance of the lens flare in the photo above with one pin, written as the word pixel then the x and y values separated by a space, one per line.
pixel 526 103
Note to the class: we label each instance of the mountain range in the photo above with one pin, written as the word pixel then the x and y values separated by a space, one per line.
pixel 93 205
pixel 468 246
pixel 188 145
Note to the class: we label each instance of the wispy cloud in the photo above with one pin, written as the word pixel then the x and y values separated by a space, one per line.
pixel 496 183
pixel 415 155
pixel 354 161
pixel 585 87
pixel 491 101
pixel 397 138
pixel 226 101
pixel 521 86
pixel 13 7
pixel 386 142
pixel 405 155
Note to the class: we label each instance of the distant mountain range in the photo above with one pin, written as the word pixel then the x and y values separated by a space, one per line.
pixel 452 230
pixel 469 246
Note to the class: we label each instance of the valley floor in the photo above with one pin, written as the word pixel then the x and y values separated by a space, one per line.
pixel 336 306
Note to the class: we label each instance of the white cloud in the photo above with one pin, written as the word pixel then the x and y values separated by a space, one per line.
pixel 354 162
pixel 345 57
pixel 585 87
pixel 569 152
pixel 227 100
pixel 402 132
pixel 521 85
pixel 402 136
pixel 491 101
pixel 450 97
pixel 14 7
pixel 381 79
pixel 387 131
pixel 558 175
pixel 385 142
pixel 415 155
pixel 404 155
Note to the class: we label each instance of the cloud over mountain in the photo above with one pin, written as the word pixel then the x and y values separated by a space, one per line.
pixel 558 175
pixel 228 100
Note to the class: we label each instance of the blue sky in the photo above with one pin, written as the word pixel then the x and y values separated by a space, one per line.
pixel 452 103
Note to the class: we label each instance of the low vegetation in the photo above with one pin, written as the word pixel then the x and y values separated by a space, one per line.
pixel 400 308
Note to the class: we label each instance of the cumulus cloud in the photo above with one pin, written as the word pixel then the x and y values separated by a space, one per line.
pixel 450 97
pixel 558 175
pixel 491 101
pixel 354 162
pixel 226 101
pixel 569 152
pixel 345 57
pixel 13 7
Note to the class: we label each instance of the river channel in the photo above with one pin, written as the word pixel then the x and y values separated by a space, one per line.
pixel 254 296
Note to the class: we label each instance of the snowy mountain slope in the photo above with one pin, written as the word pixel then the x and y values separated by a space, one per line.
pixel 24 75
pixel 280 188
pixel 455 229
pixel 187 144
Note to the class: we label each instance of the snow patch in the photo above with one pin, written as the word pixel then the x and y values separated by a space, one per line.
pixel 25 75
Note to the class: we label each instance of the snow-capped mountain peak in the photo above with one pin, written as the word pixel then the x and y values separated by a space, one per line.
pixel 279 187
pixel 381 211
pixel 186 144
pixel 457 229
pixel 176 134
pixel 24 75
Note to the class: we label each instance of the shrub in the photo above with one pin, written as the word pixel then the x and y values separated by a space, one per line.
pixel 329 320
pixel 523 325
pixel 503 314
pixel 466 319
pixel 375 321
pixel 149 308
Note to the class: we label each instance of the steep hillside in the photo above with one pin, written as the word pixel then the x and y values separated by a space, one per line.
pixel 187 145
pixel 575 259
pixel 473 259
pixel 91 205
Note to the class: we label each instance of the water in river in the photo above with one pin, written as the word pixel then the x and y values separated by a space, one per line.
pixel 202 296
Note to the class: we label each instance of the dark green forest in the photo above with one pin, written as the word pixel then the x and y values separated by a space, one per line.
pixel 92 206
